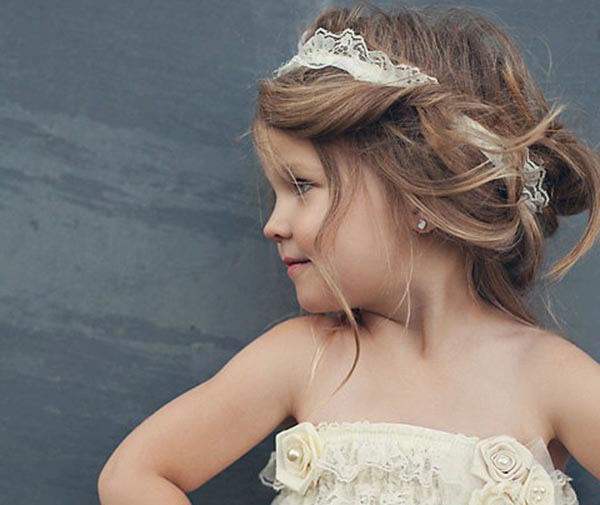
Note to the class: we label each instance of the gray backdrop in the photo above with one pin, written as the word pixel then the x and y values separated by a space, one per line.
pixel 134 264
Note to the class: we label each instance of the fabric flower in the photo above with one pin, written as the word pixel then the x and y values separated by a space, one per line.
pixel 496 493
pixel 501 458
pixel 538 488
pixel 297 449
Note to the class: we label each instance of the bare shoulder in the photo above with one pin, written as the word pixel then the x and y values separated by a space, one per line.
pixel 540 343
pixel 568 379
pixel 548 354
pixel 560 371
pixel 544 353
pixel 302 339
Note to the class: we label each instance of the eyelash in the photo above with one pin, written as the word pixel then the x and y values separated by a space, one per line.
pixel 301 182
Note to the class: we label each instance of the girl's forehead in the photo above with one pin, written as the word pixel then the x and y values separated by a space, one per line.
pixel 285 155
pixel 292 150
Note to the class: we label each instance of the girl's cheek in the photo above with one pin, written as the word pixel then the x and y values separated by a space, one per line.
pixel 305 230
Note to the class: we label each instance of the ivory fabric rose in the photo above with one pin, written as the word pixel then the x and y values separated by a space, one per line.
pixel 496 493
pixel 501 458
pixel 538 488
pixel 296 451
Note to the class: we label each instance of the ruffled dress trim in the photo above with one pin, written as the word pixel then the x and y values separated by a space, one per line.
pixel 363 462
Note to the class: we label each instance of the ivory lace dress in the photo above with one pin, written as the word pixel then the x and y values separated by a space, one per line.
pixel 378 463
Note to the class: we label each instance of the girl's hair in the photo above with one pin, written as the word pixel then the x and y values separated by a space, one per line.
pixel 403 137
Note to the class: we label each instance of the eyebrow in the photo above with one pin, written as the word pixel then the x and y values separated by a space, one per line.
pixel 300 167
pixel 297 168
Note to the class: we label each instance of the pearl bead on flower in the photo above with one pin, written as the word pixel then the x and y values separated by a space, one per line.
pixel 503 461
pixel 294 454
pixel 538 493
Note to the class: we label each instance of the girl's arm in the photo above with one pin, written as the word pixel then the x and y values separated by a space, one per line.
pixel 148 489
pixel 203 431
pixel 569 381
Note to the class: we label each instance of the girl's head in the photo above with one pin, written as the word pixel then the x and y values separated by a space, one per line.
pixel 402 145
pixel 361 253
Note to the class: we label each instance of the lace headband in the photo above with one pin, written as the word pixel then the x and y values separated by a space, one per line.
pixel 348 51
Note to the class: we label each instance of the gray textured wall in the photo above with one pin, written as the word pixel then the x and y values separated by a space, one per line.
pixel 133 261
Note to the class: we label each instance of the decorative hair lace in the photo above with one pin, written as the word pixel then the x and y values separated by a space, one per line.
pixel 348 51
pixel 534 195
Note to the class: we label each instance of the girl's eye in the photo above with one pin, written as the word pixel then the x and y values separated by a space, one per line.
pixel 300 183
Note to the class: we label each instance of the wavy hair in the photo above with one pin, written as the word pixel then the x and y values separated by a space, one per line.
pixel 404 136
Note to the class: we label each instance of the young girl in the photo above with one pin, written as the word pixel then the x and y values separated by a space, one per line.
pixel 417 169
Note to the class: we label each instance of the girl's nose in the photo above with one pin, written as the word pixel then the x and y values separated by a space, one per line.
pixel 276 229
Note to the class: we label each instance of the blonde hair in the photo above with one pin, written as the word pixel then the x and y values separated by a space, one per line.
pixel 404 136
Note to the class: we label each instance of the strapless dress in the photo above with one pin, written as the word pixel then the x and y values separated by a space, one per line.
pixel 380 463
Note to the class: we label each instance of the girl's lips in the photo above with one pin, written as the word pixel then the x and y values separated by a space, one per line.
pixel 297 267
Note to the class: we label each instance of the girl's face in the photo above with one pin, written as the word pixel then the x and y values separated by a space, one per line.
pixel 359 250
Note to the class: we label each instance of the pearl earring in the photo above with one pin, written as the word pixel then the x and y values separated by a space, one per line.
pixel 422 224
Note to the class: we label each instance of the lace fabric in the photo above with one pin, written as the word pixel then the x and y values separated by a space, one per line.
pixel 391 463
pixel 348 51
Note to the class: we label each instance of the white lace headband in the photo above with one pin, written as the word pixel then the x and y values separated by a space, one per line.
pixel 348 51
